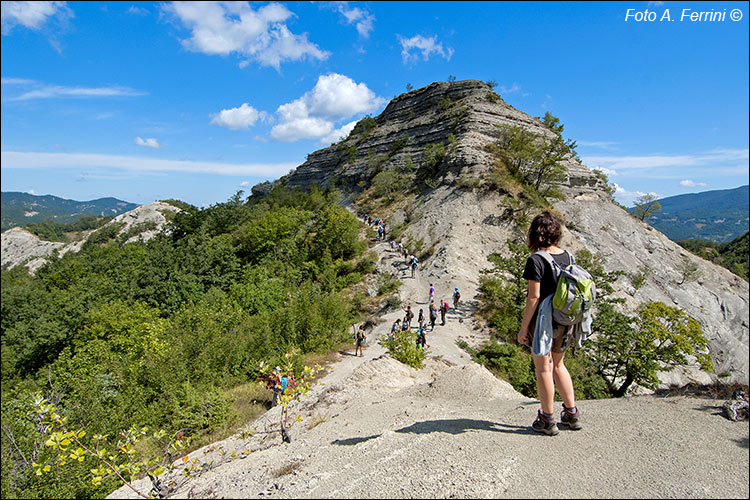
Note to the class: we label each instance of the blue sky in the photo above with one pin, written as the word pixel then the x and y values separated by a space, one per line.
pixel 145 101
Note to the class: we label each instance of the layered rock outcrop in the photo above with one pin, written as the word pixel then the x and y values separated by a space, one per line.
pixel 469 109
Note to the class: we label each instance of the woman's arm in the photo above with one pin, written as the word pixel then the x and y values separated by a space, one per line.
pixel 532 300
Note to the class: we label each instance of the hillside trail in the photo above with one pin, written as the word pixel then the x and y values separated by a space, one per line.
pixel 375 428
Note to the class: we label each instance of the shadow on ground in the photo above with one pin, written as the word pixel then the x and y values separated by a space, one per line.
pixel 461 425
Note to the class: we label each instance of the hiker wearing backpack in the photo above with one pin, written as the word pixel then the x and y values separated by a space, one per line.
pixel 432 293
pixel 360 338
pixel 413 265
pixel 443 310
pixel 547 328
pixel 456 297
pixel 433 315
pixel 420 318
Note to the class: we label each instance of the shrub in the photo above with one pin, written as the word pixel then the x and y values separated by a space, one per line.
pixel 403 347
pixel 387 284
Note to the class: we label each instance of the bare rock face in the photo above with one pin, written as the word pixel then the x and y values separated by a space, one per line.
pixel 21 247
pixel 716 298
pixel 462 227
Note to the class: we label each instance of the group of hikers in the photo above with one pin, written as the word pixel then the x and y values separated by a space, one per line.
pixel 382 229
pixel 548 335
pixel 278 383
pixel 421 325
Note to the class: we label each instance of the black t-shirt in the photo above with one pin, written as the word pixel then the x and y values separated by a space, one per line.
pixel 537 269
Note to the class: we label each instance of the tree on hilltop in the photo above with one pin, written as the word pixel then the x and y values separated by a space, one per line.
pixel 646 206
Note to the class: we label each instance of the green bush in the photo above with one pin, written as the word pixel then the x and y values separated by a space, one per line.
pixel 388 283
pixel 512 363
pixel 403 347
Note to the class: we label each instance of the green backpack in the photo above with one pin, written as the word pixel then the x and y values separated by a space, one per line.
pixel 575 292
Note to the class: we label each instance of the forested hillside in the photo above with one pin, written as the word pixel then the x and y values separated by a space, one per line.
pixel 733 255
pixel 719 215
pixel 169 334
pixel 20 209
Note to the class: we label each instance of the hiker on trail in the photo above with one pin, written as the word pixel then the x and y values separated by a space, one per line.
pixel 420 319
pixel 380 232
pixel 456 297
pixel 400 248
pixel 544 234
pixel 433 315
pixel 272 384
pixel 443 310
pixel 287 382
pixel 432 293
pixel 405 323
pixel 360 338
pixel 421 337
pixel 385 231
pixel 409 313
pixel 396 326
pixel 413 264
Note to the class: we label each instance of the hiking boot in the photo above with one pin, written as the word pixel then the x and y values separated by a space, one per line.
pixel 571 418
pixel 545 425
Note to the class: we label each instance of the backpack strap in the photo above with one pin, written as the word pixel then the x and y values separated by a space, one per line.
pixel 556 269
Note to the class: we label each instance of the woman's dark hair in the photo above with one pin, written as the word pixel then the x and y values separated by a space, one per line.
pixel 545 231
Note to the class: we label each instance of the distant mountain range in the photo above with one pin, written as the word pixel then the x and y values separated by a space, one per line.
pixel 19 209
pixel 721 215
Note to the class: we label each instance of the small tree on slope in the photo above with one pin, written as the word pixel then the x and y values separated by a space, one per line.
pixel 631 350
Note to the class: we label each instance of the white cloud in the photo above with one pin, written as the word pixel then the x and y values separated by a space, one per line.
pixel 627 198
pixel 598 144
pixel 364 20
pixel 31 191
pixel 138 11
pixel 38 90
pixel 608 172
pixel 16 81
pixel 712 159
pixel 427 46
pixel 689 183
pixel 238 118
pixel 337 134
pixel 32 15
pixel 245 184
pixel 515 88
pixel 149 142
pixel 334 97
pixel 223 28
pixel 25 160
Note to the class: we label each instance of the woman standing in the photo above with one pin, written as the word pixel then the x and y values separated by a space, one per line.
pixel 551 373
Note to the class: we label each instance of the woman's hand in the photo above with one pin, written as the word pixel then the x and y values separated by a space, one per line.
pixel 523 336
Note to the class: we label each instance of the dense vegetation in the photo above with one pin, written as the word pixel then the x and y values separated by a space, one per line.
pixel 733 254
pixel 167 334
pixel 55 231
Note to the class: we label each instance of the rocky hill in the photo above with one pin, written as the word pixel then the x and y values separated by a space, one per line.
pixel 21 247
pixel 462 225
